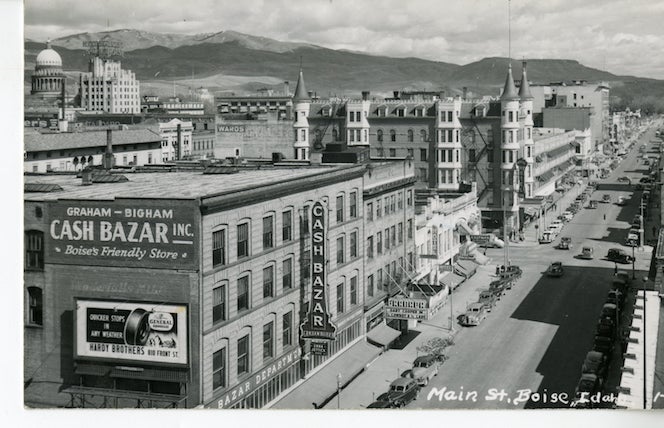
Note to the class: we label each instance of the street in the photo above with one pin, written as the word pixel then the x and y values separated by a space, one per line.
pixel 529 351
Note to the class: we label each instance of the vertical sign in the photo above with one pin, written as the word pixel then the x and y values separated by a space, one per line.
pixel 317 324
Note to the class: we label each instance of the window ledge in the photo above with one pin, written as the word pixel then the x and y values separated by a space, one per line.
pixel 33 325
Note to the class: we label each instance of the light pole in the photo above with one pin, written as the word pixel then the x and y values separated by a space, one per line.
pixel 451 308
pixel 633 262
pixel 338 391
pixel 645 382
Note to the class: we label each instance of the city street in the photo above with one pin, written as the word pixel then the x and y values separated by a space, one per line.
pixel 536 338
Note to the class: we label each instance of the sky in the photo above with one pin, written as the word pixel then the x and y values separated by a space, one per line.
pixel 620 36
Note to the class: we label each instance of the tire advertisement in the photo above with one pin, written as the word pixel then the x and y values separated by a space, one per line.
pixel 139 332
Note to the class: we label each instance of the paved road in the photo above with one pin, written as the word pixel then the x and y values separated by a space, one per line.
pixel 536 338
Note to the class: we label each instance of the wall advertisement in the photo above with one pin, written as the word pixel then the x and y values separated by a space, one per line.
pixel 124 232
pixel 136 332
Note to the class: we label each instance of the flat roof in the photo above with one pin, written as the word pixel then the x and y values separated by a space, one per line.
pixel 181 185
pixel 37 142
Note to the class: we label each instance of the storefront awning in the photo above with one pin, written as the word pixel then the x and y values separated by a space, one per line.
pixel 466 267
pixel 530 211
pixel 452 280
pixel 317 389
pixel 382 335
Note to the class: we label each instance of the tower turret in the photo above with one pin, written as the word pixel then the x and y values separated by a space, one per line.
pixel 526 116
pixel 301 104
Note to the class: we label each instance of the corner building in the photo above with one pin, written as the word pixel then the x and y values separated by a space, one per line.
pixel 216 267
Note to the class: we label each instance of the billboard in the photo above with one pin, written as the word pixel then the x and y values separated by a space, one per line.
pixel 136 332
pixel 124 232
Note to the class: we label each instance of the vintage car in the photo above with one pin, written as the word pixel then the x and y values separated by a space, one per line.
pixel 402 391
pixel 424 368
pixel 565 243
pixel 586 253
pixel 610 311
pixel 619 256
pixel 615 297
pixel 488 298
pixel 622 201
pixel 606 328
pixel 380 404
pixel 606 198
pixel 592 205
pixel 588 385
pixel 555 270
pixel 547 237
pixel 475 314
pixel 603 344
pixel 595 363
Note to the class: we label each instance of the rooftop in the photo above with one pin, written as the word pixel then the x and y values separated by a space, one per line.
pixel 34 142
pixel 179 185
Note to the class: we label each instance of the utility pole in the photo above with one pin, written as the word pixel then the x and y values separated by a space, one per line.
pixel 645 381
pixel 451 308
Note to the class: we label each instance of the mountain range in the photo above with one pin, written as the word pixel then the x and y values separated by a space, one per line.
pixel 242 63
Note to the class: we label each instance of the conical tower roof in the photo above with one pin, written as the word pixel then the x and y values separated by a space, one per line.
pixel 509 92
pixel 524 90
pixel 300 91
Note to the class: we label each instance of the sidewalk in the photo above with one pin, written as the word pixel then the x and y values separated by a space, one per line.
pixel 376 378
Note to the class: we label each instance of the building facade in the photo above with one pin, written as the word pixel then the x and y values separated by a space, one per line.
pixel 48 78
pixel 176 139
pixel 107 88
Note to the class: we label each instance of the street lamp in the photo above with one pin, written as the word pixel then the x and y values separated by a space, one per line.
pixel 633 261
pixel 338 391
pixel 451 309
pixel 645 382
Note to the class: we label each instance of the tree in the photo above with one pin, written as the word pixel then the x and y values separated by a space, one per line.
pixel 436 346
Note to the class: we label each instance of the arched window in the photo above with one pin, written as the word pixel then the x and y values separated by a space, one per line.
pixel 423 135
pixel 379 135
pixel 335 135
pixel 393 135
pixel 317 136
pixel 410 135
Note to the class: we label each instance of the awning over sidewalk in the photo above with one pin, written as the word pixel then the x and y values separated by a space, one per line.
pixel 466 267
pixel 452 280
pixel 321 386
pixel 382 335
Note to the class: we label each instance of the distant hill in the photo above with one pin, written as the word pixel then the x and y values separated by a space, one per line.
pixel 229 60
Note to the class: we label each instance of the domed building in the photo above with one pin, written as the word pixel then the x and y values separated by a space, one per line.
pixel 48 76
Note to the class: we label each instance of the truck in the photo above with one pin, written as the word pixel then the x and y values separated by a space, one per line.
pixel 475 314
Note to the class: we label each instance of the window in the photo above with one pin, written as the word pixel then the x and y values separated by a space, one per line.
pixel 268 341
pixel 287 226
pixel 393 153
pixel 393 203
pixel 268 282
pixel 287 329
pixel 386 207
pixel 243 355
pixel 369 211
pixel 287 275
pixel 411 153
pixel 305 221
pixel 219 303
pixel 379 209
pixel 379 243
pixel 35 306
pixel 34 250
pixel 423 155
pixel 340 250
pixel 353 205
pixel 353 245
pixel 340 298
pixel 410 135
pixel 268 232
pixel 410 229
pixel 393 234
pixel 353 291
pixel 370 250
pixel 471 155
pixel 387 238
pixel 219 369
pixel 340 209
pixel 379 135
pixel 393 135
pixel 400 200
pixel 379 278
pixel 218 248
pixel 423 135
pixel 242 240
pixel 243 293
pixel 449 116
pixel 370 286
pixel 400 232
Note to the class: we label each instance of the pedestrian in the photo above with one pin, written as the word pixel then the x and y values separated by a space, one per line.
pixel 604 216
pixel 615 269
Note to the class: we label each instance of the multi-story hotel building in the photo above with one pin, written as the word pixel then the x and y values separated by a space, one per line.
pixel 107 88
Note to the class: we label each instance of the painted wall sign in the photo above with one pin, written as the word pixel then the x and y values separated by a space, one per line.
pixel 236 129
pixel 145 332
pixel 259 378
pixel 319 348
pixel 139 233
pixel 317 324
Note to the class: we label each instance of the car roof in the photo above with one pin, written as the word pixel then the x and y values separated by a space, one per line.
pixel 587 248
pixel 594 355
pixel 401 381
pixel 424 358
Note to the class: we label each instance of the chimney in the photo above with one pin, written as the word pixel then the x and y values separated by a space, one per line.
pixel 311 94
pixel 365 95
pixel 396 94
pixel 109 160
pixel 286 88
pixel 178 143
pixel 441 95
pixel 86 176
pixel 62 123
pixel 465 92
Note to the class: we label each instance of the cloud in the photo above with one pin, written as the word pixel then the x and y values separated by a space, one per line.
pixel 621 34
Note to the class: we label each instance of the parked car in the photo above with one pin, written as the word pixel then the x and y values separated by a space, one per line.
pixel 547 237
pixel 616 297
pixel 595 363
pixel 639 186
pixel 610 311
pixel 646 180
pixel 619 256
pixel 488 298
pixel 424 368
pixel 381 405
pixel 606 328
pixel 606 199
pixel 623 276
pixel 592 205
pixel 622 201
pixel 555 270
pixel 475 314
pixel 588 384
pixel 565 243
pixel 402 391
pixel 568 215
pixel 603 344
pixel 586 253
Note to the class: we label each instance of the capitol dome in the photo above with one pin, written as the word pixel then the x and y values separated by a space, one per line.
pixel 48 57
